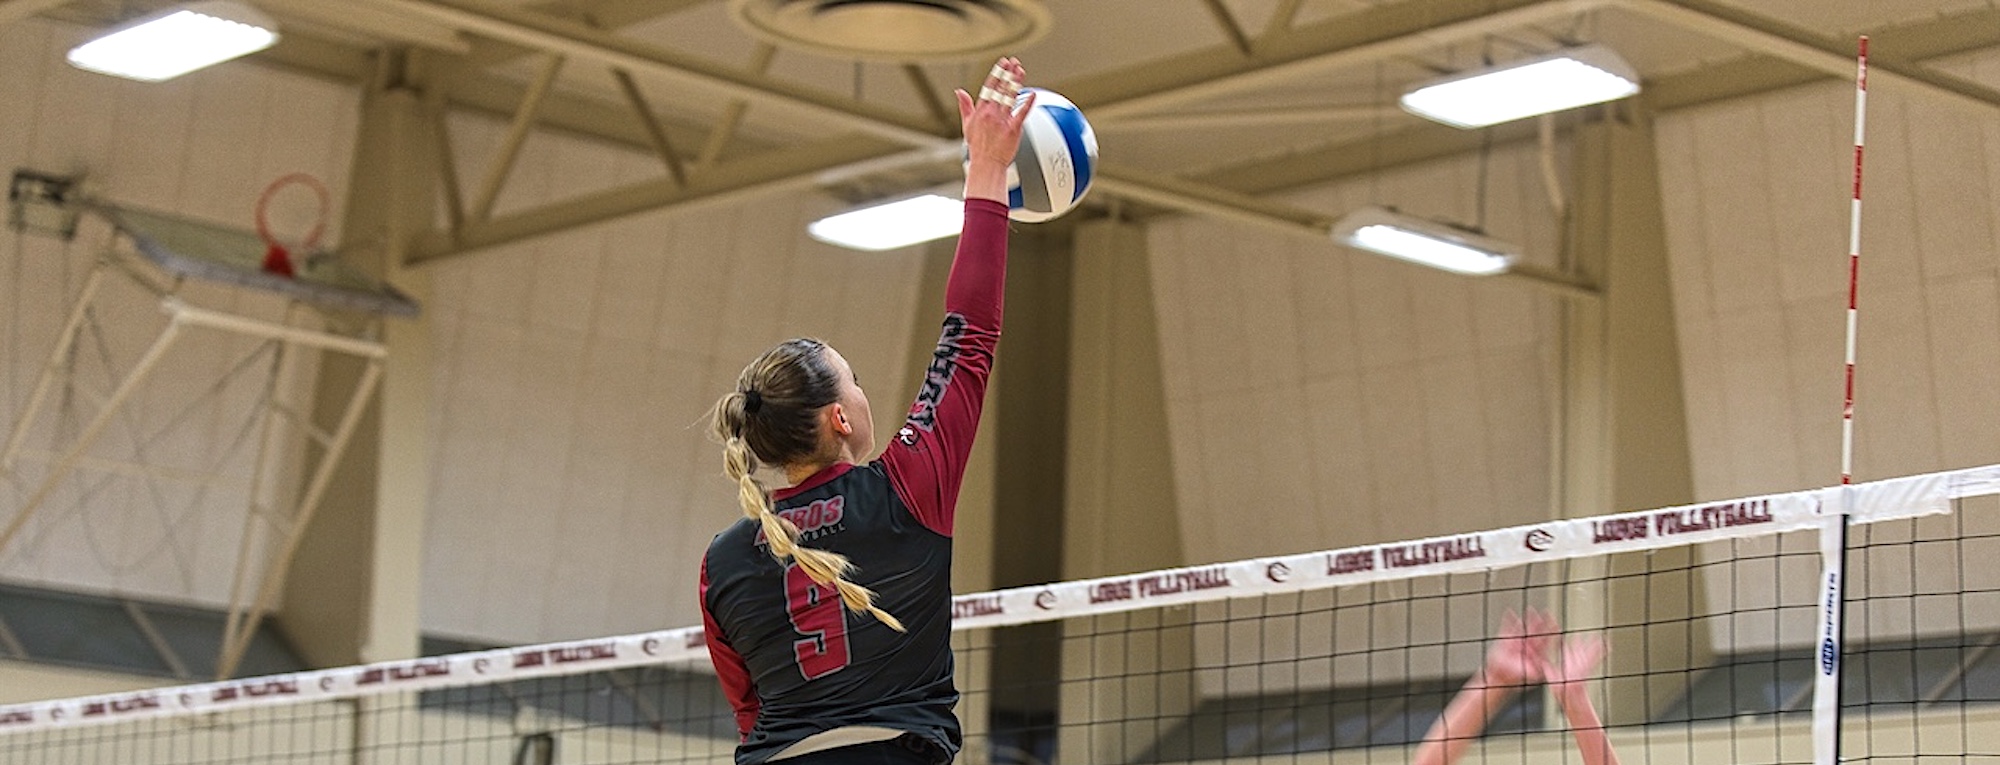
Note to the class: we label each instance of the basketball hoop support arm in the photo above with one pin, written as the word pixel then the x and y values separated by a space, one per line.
pixel 180 315
pixel 48 376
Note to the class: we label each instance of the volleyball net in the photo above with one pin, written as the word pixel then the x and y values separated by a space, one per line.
pixel 1723 623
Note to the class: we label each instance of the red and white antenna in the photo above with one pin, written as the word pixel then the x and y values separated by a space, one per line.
pixel 1854 261
pixel 1827 687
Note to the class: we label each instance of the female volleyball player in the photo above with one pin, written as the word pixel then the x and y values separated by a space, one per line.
pixel 812 683
pixel 1519 657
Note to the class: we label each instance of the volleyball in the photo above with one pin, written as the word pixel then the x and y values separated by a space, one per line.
pixel 1058 154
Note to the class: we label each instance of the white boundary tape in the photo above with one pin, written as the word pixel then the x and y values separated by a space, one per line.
pixel 1481 551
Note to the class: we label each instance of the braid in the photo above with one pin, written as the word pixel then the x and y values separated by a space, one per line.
pixel 739 463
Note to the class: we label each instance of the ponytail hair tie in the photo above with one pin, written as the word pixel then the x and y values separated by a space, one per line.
pixel 752 401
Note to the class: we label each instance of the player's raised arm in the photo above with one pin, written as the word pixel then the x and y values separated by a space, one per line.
pixel 926 459
pixel 1514 661
pixel 1568 682
pixel 827 606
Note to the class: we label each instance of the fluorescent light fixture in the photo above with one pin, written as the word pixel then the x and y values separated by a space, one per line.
pixel 1565 79
pixel 892 224
pixel 177 41
pixel 1387 232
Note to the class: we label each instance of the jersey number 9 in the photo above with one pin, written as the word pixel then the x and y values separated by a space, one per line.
pixel 820 622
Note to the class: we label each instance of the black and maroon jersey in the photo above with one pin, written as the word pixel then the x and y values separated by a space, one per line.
pixel 795 662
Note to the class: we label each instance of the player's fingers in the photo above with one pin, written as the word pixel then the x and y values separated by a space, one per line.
pixel 1590 649
pixel 1002 83
pixel 1540 622
pixel 1020 116
pixel 1510 624
pixel 1550 671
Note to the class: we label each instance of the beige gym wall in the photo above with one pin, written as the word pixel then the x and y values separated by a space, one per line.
pixel 576 488
pixel 1321 397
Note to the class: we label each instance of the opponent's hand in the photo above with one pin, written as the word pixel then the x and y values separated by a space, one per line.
pixel 1519 654
pixel 992 126
pixel 1580 658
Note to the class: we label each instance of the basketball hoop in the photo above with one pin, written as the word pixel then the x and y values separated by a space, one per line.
pixel 277 257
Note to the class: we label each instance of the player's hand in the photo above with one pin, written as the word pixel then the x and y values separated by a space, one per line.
pixel 1580 658
pixel 992 121
pixel 1519 654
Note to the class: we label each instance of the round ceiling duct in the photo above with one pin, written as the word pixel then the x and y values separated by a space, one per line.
pixel 895 30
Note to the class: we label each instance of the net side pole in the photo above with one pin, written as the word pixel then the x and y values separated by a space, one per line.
pixel 1827 692
pixel 1832 636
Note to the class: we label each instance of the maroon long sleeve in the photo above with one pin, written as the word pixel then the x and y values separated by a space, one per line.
pixel 926 461
pixel 729 665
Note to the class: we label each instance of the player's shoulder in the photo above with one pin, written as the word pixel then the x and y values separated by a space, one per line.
pixel 739 533
pixel 877 469
pixel 873 479
pixel 735 555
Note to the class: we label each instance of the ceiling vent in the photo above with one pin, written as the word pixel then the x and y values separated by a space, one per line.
pixel 895 30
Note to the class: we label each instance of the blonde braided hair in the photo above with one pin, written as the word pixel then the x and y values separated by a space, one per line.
pixel 772 419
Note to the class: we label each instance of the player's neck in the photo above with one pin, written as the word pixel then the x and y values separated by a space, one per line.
pixel 831 453
pixel 799 473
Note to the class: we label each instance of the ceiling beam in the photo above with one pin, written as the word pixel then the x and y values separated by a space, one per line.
pixel 1385 31
pixel 517 134
pixel 1932 38
pixel 1390 30
pixel 1227 118
pixel 585 43
pixel 1281 18
pixel 372 22
pixel 485 94
pixel 1402 29
pixel 603 14
pixel 1189 196
pixel 1194 196
pixel 724 129
pixel 1734 78
pixel 575 114
pixel 488 95
pixel 319 59
pixel 1835 58
pixel 1227 22
pixel 617 13
pixel 771 172
pixel 1420 142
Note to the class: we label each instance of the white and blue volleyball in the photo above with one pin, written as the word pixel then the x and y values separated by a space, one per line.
pixel 1058 155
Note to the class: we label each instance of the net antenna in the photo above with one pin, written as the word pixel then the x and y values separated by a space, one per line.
pixel 164 256
pixel 1828 688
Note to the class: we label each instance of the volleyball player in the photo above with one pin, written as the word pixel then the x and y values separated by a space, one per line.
pixel 1518 658
pixel 814 683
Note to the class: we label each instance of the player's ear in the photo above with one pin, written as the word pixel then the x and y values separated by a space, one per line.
pixel 836 419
